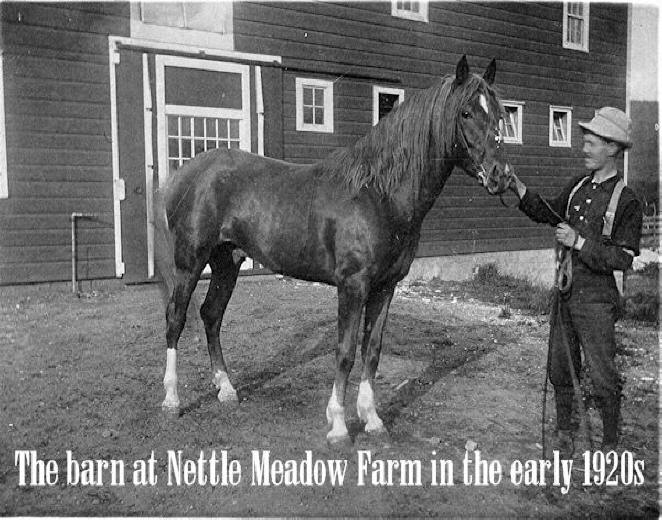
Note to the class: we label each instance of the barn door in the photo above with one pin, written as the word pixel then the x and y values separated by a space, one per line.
pixel 131 145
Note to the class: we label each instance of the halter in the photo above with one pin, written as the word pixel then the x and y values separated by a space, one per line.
pixel 477 167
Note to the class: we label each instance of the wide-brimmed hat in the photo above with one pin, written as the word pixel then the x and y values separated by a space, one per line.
pixel 612 124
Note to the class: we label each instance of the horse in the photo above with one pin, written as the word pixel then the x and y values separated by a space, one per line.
pixel 352 220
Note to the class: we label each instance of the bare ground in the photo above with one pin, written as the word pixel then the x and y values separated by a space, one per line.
pixel 84 374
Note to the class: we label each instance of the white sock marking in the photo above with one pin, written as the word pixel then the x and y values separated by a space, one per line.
pixel 365 407
pixel 226 391
pixel 170 380
pixel 335 415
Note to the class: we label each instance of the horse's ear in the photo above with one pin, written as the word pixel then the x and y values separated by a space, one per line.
pixel 490 72
pixel 462 70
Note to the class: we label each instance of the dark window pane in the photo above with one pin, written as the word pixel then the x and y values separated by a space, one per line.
pixel 173 148
pixel 386 103
pixel 173 125
pixel 307 96
pixel 308 115
pixel 211 127
pixel 234 129
pixel 319 97
pixel 198 126
pixel 186 148
pixel 223 128
pixel 186 126
pixel 319 116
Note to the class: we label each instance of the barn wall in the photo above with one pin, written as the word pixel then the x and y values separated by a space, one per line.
pixel 58 138
pixel 361 44
pixel 58 108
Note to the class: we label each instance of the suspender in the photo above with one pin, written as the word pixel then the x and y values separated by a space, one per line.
pixel 608 219
pixel 611 209
pixel 572 194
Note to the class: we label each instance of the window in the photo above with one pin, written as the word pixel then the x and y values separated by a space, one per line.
pixel 201 105
pixel 575 25
pixel 560 123
pixel 206 24
pixel 511 124
pixel 384 100
pixel 4 189
pixel 189 136
pixel 314 105
pixel 411 10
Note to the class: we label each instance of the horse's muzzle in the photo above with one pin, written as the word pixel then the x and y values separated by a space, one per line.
pixel 497 181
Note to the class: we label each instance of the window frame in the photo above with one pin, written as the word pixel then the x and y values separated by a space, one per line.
pixel 568 140
pixel 583 46
pixel 327 85
pixel 163 110
pixel 4 185
pixel 420 16
pixel 518 139
pixel 376 90
pixel 183 36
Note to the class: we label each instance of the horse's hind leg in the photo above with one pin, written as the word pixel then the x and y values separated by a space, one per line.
pixel 185 282
pixel 225 269
pixel 351 298
pixel 376 311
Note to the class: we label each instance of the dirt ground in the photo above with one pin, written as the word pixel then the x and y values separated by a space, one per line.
pixel 84 374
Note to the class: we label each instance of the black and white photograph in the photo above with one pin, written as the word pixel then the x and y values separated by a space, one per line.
pixel 329 259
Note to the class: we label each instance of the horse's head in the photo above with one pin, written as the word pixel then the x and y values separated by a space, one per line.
pixel 478 143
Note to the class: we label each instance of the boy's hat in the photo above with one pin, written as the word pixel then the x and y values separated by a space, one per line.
pixel 612 124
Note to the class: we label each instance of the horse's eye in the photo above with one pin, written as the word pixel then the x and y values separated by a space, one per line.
pixel 466 114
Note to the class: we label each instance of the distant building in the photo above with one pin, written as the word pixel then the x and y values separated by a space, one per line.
pixel 102 99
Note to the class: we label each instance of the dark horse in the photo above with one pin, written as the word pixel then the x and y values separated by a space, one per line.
pixel 352 220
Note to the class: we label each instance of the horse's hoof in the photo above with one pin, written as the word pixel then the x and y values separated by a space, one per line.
pixel 228 397
pixel 339 441
pixel 376 431
pixel 170 410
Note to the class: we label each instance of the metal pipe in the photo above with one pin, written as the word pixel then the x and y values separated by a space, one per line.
pixel 74 247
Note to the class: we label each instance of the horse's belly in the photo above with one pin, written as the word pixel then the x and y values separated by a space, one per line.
pixel 287 249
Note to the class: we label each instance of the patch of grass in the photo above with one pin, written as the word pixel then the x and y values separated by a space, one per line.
pixel 651 270
pixel 510 292
pixel 642 301
pixel 642 307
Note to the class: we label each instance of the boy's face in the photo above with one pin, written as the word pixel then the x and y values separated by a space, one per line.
pixel 597 151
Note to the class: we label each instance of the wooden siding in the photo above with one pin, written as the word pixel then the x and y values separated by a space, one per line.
pixel 58 139
pixel 354 42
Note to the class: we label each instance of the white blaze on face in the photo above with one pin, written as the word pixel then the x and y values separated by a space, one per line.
pixel 483 103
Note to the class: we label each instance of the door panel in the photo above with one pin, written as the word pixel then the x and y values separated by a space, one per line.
pixel 131 144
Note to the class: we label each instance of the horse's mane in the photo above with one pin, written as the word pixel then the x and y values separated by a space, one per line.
pixel 413 139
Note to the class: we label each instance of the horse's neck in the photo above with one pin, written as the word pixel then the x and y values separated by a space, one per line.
pixel 414 204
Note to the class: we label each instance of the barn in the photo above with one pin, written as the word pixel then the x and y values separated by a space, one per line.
pixel 99 101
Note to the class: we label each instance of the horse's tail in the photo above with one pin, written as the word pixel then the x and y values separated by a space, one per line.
pixel 164 262
pixel 164 251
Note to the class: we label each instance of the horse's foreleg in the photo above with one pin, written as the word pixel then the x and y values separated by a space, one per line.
pixel 376 311
pixel 351 298
pixel 185 282
pixel 224 278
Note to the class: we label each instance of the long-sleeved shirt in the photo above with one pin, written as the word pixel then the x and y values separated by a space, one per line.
pixel 594 264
